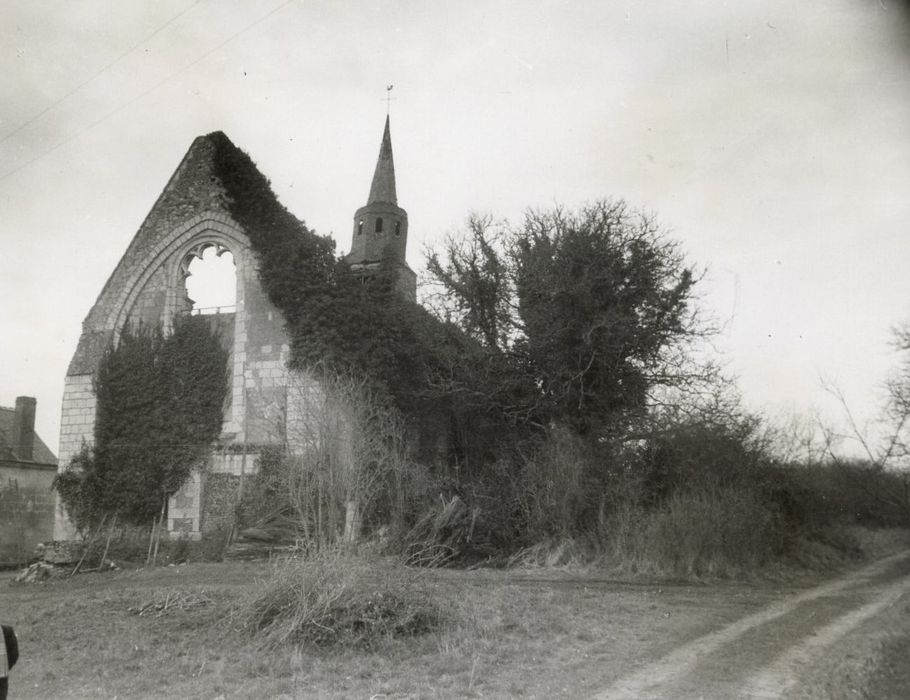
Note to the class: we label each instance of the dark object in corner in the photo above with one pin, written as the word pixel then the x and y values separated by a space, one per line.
pixel 12 655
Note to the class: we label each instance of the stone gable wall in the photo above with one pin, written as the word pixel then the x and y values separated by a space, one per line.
pixel 191 190
pixel 148 286
pixel 77 420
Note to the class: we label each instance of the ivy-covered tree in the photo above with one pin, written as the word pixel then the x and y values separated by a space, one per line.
pixel 160 402
pixel 477 283
pixel 194 373
pixel 582 313
pixel 131 402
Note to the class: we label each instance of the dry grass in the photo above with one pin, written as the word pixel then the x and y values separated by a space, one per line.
pixel 700 539
pixel 336 599
pixel 507 634
pixel 547 633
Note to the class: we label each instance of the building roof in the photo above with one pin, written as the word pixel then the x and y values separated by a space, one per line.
pixel 41 453
pixel 383 187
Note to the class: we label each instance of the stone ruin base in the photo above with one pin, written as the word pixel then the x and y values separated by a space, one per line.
pixel 57 559
pixel 54 560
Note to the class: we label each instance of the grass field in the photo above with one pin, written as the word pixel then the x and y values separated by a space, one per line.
pixel 530 633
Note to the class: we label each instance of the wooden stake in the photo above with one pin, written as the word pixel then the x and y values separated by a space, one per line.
pixel 158 538
pixel 148 556
pixel 107 544
pixel 89 545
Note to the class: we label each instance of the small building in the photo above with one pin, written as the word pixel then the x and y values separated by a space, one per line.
pixel 27 471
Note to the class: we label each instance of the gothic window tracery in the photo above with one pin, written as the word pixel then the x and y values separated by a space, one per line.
pixel 209 279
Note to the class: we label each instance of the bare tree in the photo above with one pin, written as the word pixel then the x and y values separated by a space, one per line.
pixel 346 458
pixel 885 478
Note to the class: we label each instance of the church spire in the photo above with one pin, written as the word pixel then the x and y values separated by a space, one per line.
pixel 381 226
pixel 383 187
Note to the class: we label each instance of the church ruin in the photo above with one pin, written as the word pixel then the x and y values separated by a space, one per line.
pixel 189 224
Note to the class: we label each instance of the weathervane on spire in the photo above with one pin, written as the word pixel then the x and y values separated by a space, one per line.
pixel 388 99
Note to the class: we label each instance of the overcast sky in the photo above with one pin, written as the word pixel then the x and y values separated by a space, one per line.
pixel 771 138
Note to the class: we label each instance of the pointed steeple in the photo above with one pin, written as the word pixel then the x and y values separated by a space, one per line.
pixel 383 187
pixel 381 226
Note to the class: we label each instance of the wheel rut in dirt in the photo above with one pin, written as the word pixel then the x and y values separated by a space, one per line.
pixel 759 655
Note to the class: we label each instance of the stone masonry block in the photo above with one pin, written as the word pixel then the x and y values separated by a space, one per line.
pixel 183 501
pixel 182 525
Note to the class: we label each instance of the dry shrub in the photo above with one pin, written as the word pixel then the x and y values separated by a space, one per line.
pixel 130 545
pixel 556 552
pixel 479 528
pixel 525 502
pixel 724 532
pixel 845 493
pixel 344 469
pixel 558 486
pixel 335 599
pixel 824 550
pixel 441 534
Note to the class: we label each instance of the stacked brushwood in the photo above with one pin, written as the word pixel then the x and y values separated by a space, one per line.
pixel 273 533
pixel 173 601
pixel 38 572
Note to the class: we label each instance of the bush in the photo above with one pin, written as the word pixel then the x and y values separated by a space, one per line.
pixel 724 532
pixel 727 532
pixel 817 497
pixel 336 599
pixel 559 487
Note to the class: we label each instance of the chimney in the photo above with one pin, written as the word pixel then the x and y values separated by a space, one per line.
pixel 24 428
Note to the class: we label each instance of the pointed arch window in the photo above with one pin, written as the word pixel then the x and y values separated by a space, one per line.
pixel 378 224
pixel 397 229
pixel 210 279
pixel 360 227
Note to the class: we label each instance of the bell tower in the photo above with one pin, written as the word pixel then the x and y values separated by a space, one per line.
pixel 381 226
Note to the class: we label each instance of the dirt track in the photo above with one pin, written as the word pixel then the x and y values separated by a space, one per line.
pixel 844 639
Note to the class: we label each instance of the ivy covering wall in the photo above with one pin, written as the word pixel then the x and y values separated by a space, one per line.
pixel 159 409
pixel 337 317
